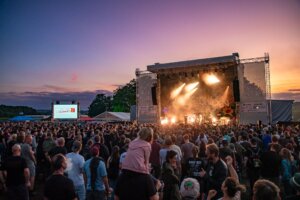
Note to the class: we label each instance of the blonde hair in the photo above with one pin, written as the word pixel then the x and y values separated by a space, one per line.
pixel 146 134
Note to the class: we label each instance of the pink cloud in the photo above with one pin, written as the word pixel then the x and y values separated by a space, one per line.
pixel 74 77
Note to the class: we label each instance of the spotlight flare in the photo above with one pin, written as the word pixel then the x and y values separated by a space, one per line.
pixel 210 79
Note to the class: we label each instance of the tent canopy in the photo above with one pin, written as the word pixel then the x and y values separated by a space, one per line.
pixel 21 118
pixel 113 116
pixel 85 118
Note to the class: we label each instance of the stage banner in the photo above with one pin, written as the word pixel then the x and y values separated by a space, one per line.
pixel 253 107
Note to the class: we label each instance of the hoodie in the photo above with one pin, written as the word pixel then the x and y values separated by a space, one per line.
pixel 137 157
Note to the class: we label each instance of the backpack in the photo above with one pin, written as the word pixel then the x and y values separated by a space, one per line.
pixel 254 160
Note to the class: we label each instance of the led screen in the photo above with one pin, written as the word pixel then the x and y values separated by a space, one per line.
pixel 65 111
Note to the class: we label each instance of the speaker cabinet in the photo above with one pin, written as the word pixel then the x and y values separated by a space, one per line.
pixel 236 90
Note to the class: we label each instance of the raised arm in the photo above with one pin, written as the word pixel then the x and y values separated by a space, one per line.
pixel 231 169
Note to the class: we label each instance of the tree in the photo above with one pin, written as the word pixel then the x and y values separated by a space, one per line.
pixel 124 97
pixel 100 104
pixel 11 111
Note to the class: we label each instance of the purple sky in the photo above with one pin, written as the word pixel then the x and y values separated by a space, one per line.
pixel 53 49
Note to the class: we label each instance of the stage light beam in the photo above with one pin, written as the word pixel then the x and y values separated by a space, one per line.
pixel 176 92
pixel 224 98
pixel 181 100
pixel 190 93
pixel 191 86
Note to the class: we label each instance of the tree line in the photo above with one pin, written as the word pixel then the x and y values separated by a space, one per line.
pixel 11 111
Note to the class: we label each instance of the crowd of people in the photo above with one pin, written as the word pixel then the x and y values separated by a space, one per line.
pixel 130 161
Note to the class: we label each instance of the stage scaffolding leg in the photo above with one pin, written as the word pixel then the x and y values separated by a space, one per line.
pixel 268 87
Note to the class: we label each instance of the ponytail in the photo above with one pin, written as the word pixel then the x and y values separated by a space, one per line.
pixel 93 168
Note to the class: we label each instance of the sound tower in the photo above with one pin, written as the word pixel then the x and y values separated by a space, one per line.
pixel 153 93
pixel 236 90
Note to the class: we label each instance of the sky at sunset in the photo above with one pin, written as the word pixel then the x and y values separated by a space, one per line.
pixel 71 49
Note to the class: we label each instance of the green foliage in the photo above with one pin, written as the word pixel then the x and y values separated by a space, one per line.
pixel 100 104
pixel 12 111
pixel 124 97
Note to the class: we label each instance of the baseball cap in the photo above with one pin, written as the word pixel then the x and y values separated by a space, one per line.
pixel 95 151
pixel 189 188
pixel 295 181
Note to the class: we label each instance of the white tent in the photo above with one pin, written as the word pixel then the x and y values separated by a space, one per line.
pixel 113 116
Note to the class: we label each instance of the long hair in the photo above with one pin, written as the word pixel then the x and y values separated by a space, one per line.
pixel 93 167
pixel 115 153
pixel 286 154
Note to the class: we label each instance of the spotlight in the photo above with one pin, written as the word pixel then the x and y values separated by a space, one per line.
pixel 214 120
pixel 210 79
pixel 191 119
pixel 164 121
pixel 173 120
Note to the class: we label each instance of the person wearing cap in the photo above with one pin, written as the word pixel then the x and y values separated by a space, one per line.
pixel 295 183
pixel 189 189
pixel 225 150
pixel 75 172
pixel 97 186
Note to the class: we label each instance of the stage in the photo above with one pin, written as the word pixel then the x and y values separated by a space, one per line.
pixel 219 90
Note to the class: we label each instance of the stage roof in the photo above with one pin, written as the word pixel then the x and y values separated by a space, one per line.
pixel 190 64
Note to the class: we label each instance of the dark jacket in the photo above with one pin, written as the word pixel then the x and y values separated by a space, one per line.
pixel 216 173
pixel 171 181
